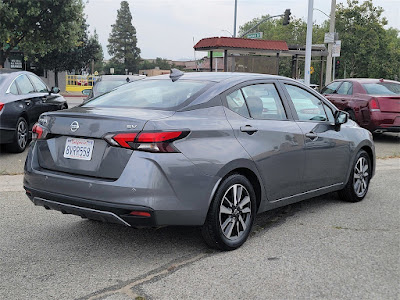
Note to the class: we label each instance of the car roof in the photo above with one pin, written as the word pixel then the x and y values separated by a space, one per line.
pixel 119 77
pixel 220 76
pixel 367 80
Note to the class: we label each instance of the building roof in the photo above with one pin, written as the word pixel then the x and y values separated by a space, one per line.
pixel 239 43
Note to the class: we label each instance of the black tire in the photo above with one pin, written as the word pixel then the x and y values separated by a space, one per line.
pixel 357 186
pixel 21 137
pixel 236 217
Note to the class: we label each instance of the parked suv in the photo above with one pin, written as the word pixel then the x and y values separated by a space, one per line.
pixel 373 103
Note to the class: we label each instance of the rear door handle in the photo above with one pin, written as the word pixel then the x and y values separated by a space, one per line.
pixel 248 128
pixel 312 136
pixel 28 102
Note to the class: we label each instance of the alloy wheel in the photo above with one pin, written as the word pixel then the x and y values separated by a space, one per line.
pixel 361 177
pixel 22 134
pixel 235 212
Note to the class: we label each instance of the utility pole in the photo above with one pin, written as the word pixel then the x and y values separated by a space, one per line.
pixel 329 59
pixel 308 43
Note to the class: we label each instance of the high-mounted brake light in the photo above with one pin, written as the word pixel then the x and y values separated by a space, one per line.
pixel 1 105
pixel 373 104
pixel 160 141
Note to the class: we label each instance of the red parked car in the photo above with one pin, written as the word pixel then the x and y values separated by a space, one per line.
pixel 373 103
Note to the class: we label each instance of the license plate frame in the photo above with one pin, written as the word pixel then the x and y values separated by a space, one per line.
pixel 79 149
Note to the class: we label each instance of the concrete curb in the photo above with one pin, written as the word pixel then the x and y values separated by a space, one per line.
pixel 13 183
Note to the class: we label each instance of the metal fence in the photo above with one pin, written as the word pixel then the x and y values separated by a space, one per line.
pixel 78 83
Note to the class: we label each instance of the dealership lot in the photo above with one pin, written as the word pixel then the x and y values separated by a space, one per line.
pixel 319 248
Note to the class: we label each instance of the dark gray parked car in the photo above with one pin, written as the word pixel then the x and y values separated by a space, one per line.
pixel 23 98
pixel 207 149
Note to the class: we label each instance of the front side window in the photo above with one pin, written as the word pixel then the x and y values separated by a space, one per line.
pixel 345 89
pixel 24 85
pixel 264 102
pixel 308 107
pixel 154 94
pixel 40 86
pixel 330 88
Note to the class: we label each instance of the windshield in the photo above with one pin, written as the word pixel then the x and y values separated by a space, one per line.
pixel 155 94
pixel 382 88
pixel 105 86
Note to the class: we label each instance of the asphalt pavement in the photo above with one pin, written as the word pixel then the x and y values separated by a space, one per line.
pixel 320 248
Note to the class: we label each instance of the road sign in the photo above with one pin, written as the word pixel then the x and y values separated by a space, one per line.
pixel 336 48
pixel 329 38
pixel 256 35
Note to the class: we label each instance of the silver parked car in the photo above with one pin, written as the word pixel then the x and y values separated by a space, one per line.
pixel 206 149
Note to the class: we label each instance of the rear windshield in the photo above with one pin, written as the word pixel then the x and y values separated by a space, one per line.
pixel 154 94
pixel 382 88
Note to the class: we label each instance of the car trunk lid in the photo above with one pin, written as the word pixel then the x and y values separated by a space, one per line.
pixel 389 103
pixel 90 125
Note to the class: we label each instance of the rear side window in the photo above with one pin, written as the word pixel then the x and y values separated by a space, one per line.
pixel 14 89
pixel 382 88
pixel 237 103
pixel 154 94
pixel 24 85
pixel 264 102
pixel 40 86
pixel 330 88
pixel 307 106
pixel 346 88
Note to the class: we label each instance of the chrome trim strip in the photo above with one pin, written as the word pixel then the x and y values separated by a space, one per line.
pixel 305 193
pixel 84 209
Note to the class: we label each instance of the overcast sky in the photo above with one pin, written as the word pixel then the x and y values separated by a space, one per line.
pixel 167 28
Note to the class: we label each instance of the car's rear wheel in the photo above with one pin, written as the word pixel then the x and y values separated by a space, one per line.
pixel 231 214
pixel 20 137
pixel 357 186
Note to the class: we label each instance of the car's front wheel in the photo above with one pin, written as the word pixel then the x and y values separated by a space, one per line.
pixel 231 214
pixel 21 136
pixel 357 186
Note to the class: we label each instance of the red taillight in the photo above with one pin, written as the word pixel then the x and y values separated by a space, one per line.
pixel 140 214
pixel 1 105
pixel 147 141
pixel 124 138
pixel 157 137
pixel 37 132
pixel 373 104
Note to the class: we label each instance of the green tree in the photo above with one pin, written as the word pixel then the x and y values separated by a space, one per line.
pixel 77 57
pixel 122 40
pixel 368 50
pixel 38 27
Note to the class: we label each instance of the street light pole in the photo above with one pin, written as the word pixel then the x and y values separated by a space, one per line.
pixel 308 43
pixel 329 69
pixel 234 20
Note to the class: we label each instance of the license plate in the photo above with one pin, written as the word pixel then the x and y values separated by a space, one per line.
pixel 78 149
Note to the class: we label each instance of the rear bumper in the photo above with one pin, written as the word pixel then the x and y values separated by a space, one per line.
pixel 169 187
pixel 384 122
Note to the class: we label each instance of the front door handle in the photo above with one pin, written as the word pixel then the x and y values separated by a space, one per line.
pixel 312 136
pixel 28 102
pixel 249 129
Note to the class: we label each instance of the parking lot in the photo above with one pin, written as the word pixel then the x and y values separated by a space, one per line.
pixel 320 248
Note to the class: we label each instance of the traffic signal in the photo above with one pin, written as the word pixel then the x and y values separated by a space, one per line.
pixel 337 66
pixel 286 17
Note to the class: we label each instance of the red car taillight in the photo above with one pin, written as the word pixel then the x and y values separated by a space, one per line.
pixel 147 141
pixel 374 104
pixel 37 132
pixel 1 105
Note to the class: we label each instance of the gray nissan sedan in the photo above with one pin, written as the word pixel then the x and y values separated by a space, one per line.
pixel 205 149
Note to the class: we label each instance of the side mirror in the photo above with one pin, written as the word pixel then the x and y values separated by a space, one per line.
pixel 54 90
pixel 341 117
pixel 86 92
